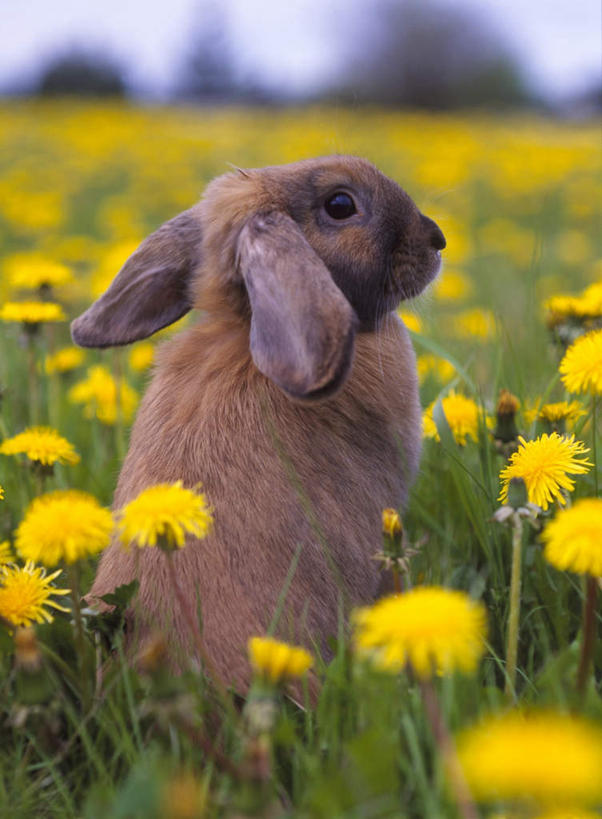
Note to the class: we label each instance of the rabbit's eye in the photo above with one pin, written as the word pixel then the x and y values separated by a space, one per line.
pixel 340 206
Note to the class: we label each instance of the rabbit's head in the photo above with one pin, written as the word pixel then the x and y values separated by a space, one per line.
pixel 309 253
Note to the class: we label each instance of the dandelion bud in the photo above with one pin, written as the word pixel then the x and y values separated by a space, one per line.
pixel 153 654
pixel 27 652
pixel 392 525
pixel 505 431
pixel 184 797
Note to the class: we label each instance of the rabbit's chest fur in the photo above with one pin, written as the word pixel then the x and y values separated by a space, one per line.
pixel 283 478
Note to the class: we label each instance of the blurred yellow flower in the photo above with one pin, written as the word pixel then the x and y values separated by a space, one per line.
pixel 1 492
pixel 42 445
pixel 574 247
pixel 561 307
pixel 452 285
pixel 183 797
pixel 65 525
pixel 98 392
pixel 506 237
pixel 544 756
pixel 411 320
pixel 557 412
pixel 431 365
pixel 545 465
pixel 65 359
pixel 567 813
pixel 573 540
pixel 31 312
pixel 111 263
pixel 579 308
pixel 35 273
pixel 592 299
pixel 581 367
pixel 275 661
pixel 435 630
pixel 475 323
pixel 25 594
pixel 6 553
pixel 462 415
pixel 163 515
pixel 141 356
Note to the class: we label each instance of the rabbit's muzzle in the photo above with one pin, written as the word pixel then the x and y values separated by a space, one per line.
pixel 415 263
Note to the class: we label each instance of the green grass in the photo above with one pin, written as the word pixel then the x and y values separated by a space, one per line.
pixel 87 736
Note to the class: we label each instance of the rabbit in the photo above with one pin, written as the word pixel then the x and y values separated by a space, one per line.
pixel 293 400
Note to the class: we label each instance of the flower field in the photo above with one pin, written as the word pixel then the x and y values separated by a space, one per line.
pixel 475 690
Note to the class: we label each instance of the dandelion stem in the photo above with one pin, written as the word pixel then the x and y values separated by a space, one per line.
pixel 32 375
pixel 446 745
pixel 80 640
pixel 39 479
pixel 594 445
pixel 589 634
pixel 514 615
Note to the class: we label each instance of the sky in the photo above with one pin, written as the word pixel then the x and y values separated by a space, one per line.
pixel 296 42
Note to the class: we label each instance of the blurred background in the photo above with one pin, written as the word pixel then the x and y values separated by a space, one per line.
pixel 433 54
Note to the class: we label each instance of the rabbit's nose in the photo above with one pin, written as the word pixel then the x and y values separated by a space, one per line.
pixel 434 233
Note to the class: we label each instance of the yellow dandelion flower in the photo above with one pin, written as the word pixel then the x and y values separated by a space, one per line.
pixel 462 415
pixel 430 365
pixel 452 285
pixel 275 661
pixel 165 513
pixel 556 412
pixel 98 393
pixel 433 629
pixel 592 300
pixel 64 360
pixel 411 320
pixel 42 445
pixel 476 323
pixel 1 493
pixel 25 594
pixel 544 756
pixel 31 312
pixel 39 272
pixel 581 367
pixel 545 465
pixel 577 308
pixel 559 308
pixel 6 553
pixel 65 525
pixel 573 540
pixel 141 356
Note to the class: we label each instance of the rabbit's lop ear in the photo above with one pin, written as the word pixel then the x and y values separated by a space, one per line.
pixel 302 326
pixel 149 292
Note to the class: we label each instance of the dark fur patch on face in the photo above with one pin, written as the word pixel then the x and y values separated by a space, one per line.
pixel 381 254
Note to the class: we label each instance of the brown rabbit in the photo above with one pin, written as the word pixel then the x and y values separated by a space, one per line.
pixel 293 400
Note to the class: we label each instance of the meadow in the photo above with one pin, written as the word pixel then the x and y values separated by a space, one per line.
pixel 83 734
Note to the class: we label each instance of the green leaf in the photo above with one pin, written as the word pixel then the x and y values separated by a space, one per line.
pixel 122 595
